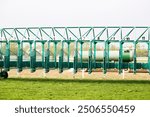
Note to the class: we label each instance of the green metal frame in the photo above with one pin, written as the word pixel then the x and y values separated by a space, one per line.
pixel 68 35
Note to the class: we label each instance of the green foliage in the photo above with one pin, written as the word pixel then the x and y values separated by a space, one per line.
pixel 141 52
pixel 74 89
pixel 13 49
pixel 113 47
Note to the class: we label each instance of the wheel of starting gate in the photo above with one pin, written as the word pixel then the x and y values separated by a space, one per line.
pixel 4 74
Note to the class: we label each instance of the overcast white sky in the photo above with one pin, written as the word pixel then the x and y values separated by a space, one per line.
pixel 18 13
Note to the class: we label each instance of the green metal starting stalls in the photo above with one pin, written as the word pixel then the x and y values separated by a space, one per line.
pixel 73 47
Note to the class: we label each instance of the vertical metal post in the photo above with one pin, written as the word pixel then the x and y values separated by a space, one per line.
pixel 19 43
pixel 1 34
pixel 7 57
pixel 49 54
pixel 47 58
pixel 81 48
pixel 134 59
pixel 30 48
pixel 1 41
pixel 61 58
pixel 75 63
pixel 35 51
pixel 107 63
pixel 68 57
pixel 120 53
pixel 95 54
pixel 149 50
pixel 106 57
pixel 148 57
pixel 30 53
pixel 90 59
pixel 55 53
pixel 106 52
pixel 33 58
pixel 20 54
pixel 120 57
pixel 43 52
pixel 1 46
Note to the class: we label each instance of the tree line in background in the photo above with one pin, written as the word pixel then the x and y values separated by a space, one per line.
pixel 141 52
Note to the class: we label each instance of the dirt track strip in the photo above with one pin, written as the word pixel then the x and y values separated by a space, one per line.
pixel 67 74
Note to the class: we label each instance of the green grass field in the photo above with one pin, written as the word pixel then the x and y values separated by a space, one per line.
pixel 19 88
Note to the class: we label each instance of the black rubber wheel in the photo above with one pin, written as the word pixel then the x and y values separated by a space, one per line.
pixel 4 74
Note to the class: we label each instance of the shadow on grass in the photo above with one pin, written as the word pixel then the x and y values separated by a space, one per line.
pixel 79 80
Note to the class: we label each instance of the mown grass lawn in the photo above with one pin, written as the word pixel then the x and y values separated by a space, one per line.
pixel 19 88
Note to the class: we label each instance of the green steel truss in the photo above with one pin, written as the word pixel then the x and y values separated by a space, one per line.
pixel 67 35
